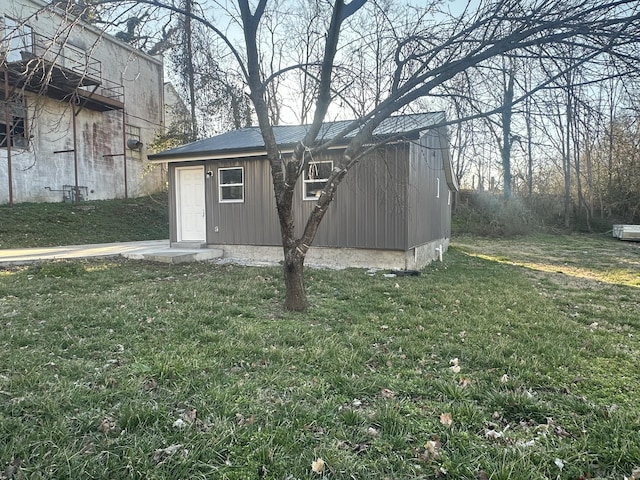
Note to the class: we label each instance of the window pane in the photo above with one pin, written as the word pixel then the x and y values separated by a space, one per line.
pixel 319 170
pixel 233 175
pixel 315 178
pixel 231 192
pixel 313 189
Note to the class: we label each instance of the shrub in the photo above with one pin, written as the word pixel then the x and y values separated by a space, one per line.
pixel 481 213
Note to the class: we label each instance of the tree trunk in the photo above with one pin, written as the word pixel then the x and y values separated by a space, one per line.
pixel 567 157
pixel 296 295
pixel 507 112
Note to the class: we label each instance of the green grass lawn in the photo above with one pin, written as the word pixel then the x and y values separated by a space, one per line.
pixel 102 221
pixel 510 360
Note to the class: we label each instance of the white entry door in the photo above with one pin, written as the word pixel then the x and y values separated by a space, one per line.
pixel 190 207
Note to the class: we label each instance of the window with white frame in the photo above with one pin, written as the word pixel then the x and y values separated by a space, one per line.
pixel 316 175
pixel 231 185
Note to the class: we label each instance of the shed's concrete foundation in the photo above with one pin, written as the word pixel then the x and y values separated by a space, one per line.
pixel 413 259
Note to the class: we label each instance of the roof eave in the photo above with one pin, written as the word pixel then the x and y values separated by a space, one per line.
pixel 257 152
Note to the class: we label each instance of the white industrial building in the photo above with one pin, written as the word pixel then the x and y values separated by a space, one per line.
pixel 79 109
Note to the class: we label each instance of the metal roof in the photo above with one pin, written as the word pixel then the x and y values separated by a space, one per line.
pixel 248 141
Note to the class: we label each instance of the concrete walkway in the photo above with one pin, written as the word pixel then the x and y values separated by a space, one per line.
pixel 153 250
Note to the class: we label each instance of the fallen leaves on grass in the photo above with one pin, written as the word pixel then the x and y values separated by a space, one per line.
pixel 529 427
pixel 431 449
pixel 179 423
pixel 492 434
pixel 242 420
pixel 387 393
pixel 107 424
pixel 161 454
pixel 317 466
pixel 464 382
pixel 446 419
pixel 455 367
pixel 187 417
pixel 635 474
pixel 358 448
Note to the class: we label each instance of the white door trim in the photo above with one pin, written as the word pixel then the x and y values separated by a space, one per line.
pixel 190 204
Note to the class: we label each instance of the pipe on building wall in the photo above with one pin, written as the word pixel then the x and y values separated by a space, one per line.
pixel 7 129
pixel 124 147
pixel 75 149
pixel 439 250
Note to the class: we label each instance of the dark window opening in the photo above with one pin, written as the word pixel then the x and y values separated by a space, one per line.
pixel 13 121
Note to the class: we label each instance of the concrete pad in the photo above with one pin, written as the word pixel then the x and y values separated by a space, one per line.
pixel 175 256
pixel 21 256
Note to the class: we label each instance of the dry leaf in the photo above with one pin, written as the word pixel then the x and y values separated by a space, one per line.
pixel 189 415
pixel 317 466
pixel 464 382
pixel 162 453
pixel 493 434
pixel 504 378
pixel 446 419
pixel 106 425
pixel 387 393
pixel 455 367
pixel 179 423
pixel 245 421
pixel 635 475
pixel 372 431
pixel 431 449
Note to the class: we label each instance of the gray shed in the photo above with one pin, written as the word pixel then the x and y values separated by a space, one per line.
pixel 393 210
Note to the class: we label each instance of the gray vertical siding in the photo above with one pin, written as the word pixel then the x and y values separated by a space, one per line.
pixel 386 202
pixel 429 216
pixel 369 208
pixel 253 222
pixel 368 211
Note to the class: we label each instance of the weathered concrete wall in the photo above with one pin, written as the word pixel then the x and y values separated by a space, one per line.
pixel 101 137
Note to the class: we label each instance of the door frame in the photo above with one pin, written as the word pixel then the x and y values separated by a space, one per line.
pixel 177 172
